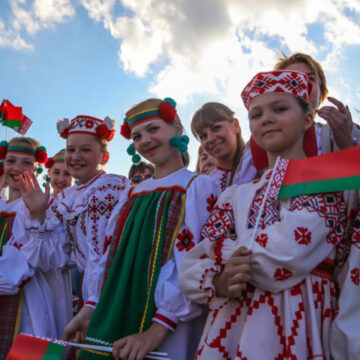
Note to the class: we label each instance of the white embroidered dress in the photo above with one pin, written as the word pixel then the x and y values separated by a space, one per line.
pixel 184 319
pixel 73 232
pixel 44 312
pixel 286 311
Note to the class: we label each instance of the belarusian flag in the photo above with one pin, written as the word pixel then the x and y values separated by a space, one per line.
pixel 29 347
pixel 336 171
pixel 13 117
pixel 10 115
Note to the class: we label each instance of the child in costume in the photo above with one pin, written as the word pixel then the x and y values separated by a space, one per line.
pixel 277 300
pixel 58 176
pixel 141 306
pixel 27 303
pixel 219 133
pixel 72 231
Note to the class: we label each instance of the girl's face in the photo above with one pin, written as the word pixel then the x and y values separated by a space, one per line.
pixel 15 165
pixel 152 141
pixel 60 178
pixel 313 79
pixel 206 163
pixel 278 124
pixel 83 156
pixel 220 139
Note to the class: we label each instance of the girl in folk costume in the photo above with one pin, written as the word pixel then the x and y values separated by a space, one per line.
pixel 288 302
pixel 220 136
pixel 26 301
pixel 73 228
pixel 141 306
pixel 58 176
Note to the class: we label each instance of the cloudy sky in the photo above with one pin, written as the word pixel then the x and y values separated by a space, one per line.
pixel 61 58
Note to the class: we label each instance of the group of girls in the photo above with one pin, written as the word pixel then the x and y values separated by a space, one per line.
pixel 157 256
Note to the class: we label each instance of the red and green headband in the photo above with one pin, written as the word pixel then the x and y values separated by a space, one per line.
pixel 23 148
pixel 165 111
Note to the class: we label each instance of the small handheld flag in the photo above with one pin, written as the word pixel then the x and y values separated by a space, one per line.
pixel 12 116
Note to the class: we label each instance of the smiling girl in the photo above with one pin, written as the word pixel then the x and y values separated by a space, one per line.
pixel 59 176
pixel 219 133
pixel 26 301
pixel 72 231
pixel 277 300
pixel 141 307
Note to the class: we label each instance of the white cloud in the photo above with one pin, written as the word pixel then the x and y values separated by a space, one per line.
pixel 28 17
pixel 213 47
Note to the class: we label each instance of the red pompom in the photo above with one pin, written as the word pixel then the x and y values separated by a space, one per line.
pixel 1 169
pixel 3 151
pixel 102 131
pixel 65 133
pixel 167 112
pixel 111 135
pixel 125 130
pixel 49 163
pixel 41 156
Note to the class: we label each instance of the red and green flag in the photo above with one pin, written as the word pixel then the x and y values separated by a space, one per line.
pixel 28 347
pixel 336 171
pixel 12 116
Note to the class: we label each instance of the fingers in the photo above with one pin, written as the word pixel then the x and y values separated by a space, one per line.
pixel 242 251
pixel 337 103
pixel 117 346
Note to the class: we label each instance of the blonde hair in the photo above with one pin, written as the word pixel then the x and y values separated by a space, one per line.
pixel 209 114
pixel 284 61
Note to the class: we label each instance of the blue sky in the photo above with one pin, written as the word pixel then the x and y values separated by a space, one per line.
pixel 62 58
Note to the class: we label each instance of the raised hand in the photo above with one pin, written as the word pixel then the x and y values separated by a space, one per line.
pixel 34 198
pixel 237 272
pixel 340 121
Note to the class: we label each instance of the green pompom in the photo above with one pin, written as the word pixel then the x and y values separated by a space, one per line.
pixel 136 159
pixel 39 170
pixel 174 141
pixel 76 181
pixel 4 143
pixel 41 148
pixel 170 101
pixel 185 139
pixel 131 149
pixel 43 184
pixel 47 179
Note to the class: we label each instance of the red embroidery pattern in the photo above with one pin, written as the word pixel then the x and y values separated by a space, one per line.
pixel 355 276
pixel 262 240
pixel 211 200
pixel 17 245
pixel 282 274
pixel 185 240
pixel 302 235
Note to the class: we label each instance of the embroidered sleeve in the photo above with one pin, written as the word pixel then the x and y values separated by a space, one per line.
pixel 102 203
pixel 14 270
pixel 172 304
pixel 345 332
pixel 306 233
pixel 207 258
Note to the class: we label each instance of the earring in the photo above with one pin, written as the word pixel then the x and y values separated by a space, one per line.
pixel 135 158
pixel 180 142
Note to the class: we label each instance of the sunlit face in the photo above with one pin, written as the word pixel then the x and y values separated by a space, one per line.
pixel 206 163
pixel 60 178
pixel 152 141
pixel 16 164
pixel 278 123
pixel 220 139
pixel 313 79
pixel 83 156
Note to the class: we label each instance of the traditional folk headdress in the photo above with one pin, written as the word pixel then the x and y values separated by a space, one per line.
pixel 279 81
pixel 83 124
